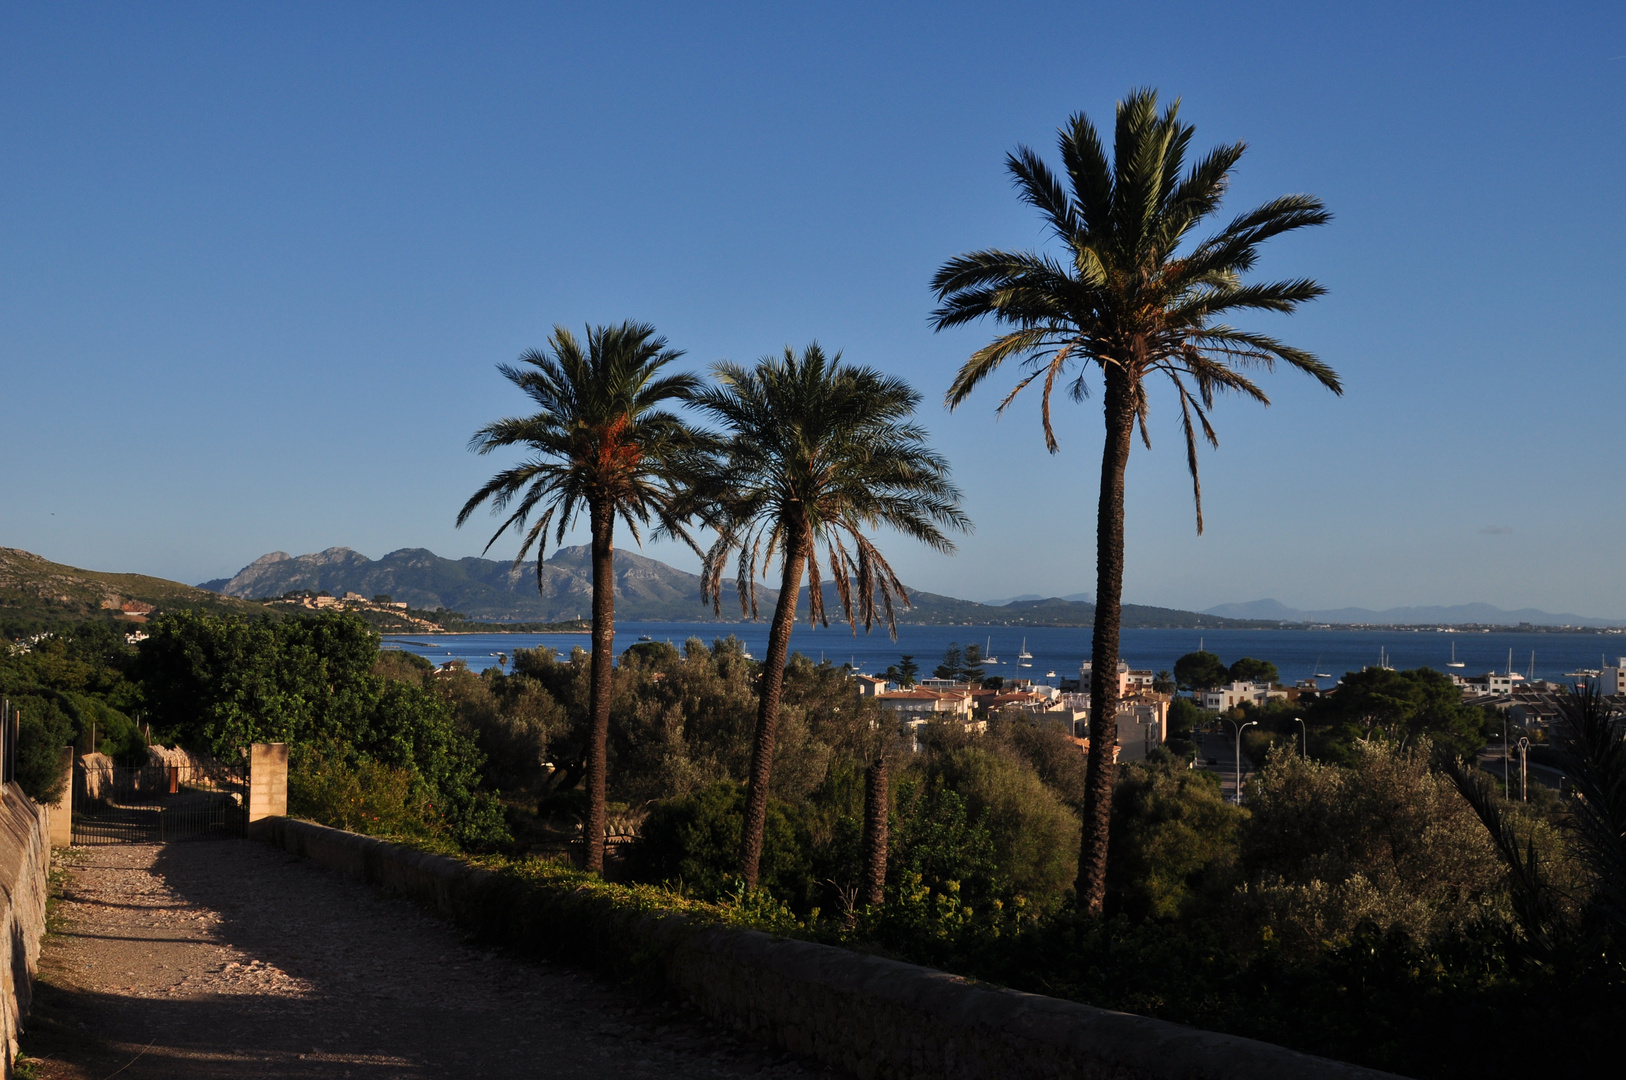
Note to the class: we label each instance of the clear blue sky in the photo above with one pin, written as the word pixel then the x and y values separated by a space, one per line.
pixel 259 262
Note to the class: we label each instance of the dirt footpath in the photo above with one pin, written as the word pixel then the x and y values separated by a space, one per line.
pixel 230 959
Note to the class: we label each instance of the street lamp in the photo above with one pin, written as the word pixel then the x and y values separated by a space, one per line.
pixel 1304 740
pixel 1524 770
pixel 1239 730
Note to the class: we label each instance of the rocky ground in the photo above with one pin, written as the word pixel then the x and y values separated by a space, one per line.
pixel 228 959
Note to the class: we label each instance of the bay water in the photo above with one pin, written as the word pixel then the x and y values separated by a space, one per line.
pixel 1298 653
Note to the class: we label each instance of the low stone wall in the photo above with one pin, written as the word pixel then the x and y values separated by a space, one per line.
pixel 869 1016
pixel 25 855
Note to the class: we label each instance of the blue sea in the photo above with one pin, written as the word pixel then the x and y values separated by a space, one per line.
pixel 1057 651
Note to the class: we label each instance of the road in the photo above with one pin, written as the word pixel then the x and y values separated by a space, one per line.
pixel 225 960
pixel 1217 754
pixel 1490 760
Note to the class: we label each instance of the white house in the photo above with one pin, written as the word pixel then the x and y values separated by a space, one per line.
pixel 924 703
pixel 871 685
pixel 1489 683
pixel 1220 698
pixel 1612 680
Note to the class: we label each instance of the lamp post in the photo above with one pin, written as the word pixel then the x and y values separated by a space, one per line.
pixel 1506 750
pixel 1304 740
pixel 1239 731
pixel 1524 770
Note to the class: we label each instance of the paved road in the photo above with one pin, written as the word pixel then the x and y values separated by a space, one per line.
pixel 1217 754
pixel 231 960
pixel 1490 761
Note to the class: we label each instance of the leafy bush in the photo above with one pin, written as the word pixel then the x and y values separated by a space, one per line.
pixel 220 683
pixel 1173 838
pixel 365 797
pixel 693 843
pixel 1387 842
pixel 1034 836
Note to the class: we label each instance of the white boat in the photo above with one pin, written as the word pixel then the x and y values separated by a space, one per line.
pixel 1454 661
pixel 1024 658
pixel 988 656
pixel 1050 674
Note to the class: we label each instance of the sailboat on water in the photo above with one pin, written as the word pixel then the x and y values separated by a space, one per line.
pixel 988 656
pixel 1024 658
pixel 1454 661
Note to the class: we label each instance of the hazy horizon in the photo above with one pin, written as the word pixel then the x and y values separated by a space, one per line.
pixel 996 601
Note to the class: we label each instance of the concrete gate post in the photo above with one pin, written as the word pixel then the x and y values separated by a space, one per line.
pixel 267 784
pixel 60 813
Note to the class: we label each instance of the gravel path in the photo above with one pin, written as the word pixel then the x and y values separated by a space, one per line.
pixel 230 959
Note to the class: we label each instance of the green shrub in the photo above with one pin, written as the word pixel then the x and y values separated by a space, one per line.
pixel 364 797
pixel 693 843
pixel 44 728
pixel 1173 837
pixel 1034 835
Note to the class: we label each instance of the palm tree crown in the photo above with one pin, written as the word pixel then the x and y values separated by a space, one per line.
pixel 1126 299
pixel 817 453
pixel 599 437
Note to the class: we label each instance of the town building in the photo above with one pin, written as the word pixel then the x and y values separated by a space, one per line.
pixel 1490 683
pixel 871 685
pixel 1129 679
pixel 1229 696
pixel 1612 678
pixel 926 703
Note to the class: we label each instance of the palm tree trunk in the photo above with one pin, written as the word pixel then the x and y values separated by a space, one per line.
pixel 1101 770
pixel 773 682
pixel 873 882
pixel 601 683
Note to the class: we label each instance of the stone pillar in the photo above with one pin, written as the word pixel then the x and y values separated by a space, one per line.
pixel 61 812
pixel 267 783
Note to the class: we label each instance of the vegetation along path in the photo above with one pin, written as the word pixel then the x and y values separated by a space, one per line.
pixel 230 959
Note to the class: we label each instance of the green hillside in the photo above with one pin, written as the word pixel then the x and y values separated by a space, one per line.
pixel 37 594
pixel 1054 612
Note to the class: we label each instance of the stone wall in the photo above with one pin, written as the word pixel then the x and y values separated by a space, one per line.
pixel 869 1016
pixel 25 855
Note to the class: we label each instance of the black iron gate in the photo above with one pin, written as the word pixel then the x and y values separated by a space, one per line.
pixel 155 804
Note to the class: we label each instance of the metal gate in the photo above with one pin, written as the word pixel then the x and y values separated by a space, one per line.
pixel 155 804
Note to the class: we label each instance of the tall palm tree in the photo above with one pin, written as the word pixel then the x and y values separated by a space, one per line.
pixel 817 453
pixel 600 444
pixel 1129 297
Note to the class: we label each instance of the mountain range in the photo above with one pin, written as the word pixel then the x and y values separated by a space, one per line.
pixel 1081 597
pixel 1454 615
pixel 646 590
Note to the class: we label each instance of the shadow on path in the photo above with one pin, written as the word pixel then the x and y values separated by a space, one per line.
pixel 229 959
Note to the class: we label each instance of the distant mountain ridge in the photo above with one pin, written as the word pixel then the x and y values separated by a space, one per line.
pixel 646 589
pixel 1081 597
pixel 1454 615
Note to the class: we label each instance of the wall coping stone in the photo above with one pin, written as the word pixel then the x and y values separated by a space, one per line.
pixel 869 1015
